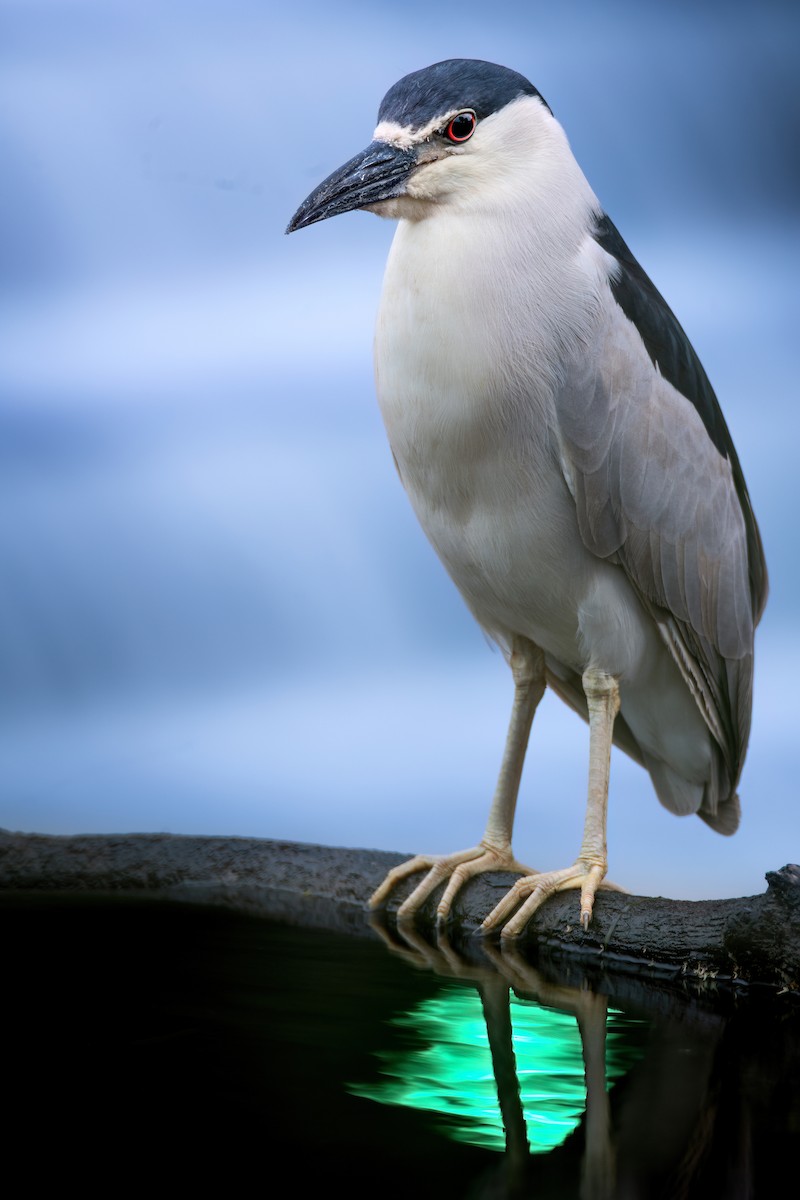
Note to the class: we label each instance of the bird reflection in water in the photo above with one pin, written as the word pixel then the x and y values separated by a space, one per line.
pixel 515 1065
pixel 695 1101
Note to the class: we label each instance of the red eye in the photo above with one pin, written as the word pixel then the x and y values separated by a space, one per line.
pixel 462 127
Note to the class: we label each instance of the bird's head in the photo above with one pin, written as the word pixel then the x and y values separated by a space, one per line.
pixel 445 135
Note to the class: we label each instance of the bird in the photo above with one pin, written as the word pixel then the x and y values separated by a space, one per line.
pixel 566 456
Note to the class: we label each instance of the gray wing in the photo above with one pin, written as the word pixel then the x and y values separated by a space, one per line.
pixel 659 490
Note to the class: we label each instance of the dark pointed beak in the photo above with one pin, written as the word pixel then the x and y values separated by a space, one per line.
pixel 378 173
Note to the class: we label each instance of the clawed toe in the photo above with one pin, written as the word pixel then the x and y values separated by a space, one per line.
pixel 516 908
pixel 456 868
pixel 511 915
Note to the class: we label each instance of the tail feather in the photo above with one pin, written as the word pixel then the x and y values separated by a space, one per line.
pixel 679 795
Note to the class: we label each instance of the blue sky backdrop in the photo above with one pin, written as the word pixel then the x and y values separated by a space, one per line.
pixel 217 612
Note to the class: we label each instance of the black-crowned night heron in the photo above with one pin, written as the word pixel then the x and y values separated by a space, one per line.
pixel 565 454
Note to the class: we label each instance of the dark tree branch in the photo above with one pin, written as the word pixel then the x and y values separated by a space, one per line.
pixel 755 939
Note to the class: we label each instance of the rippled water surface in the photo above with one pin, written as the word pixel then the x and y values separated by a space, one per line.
pixel 168 1046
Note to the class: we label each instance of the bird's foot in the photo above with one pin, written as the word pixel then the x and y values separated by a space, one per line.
pixel 532 890
pixel 457 868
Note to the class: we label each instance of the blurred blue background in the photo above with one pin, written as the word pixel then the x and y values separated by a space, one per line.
pixel 217 612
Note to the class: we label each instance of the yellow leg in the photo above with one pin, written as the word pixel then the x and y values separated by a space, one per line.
pixel 588 871
pixel 493 853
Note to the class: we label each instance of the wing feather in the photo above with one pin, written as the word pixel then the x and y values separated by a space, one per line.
pixel 672 354
pixel 658 489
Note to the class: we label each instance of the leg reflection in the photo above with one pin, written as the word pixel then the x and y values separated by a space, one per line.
pixel 552 1039
pixel 591 1013
pixel 494 996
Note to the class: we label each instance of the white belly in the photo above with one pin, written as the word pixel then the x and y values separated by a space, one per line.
pixel 479 463
pixel 483 473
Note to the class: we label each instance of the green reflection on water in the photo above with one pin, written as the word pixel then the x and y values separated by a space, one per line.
pixel 452 1075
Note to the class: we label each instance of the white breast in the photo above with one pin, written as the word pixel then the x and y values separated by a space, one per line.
pixel 468 353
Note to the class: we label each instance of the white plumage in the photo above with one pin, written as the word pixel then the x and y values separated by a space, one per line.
pixel 564 453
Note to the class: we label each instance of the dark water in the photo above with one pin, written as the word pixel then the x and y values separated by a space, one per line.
pixel 167 1047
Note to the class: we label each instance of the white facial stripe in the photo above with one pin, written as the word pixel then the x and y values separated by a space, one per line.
pixel 404 137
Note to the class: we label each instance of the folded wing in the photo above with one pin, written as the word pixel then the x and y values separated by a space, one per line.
pixel 659 490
